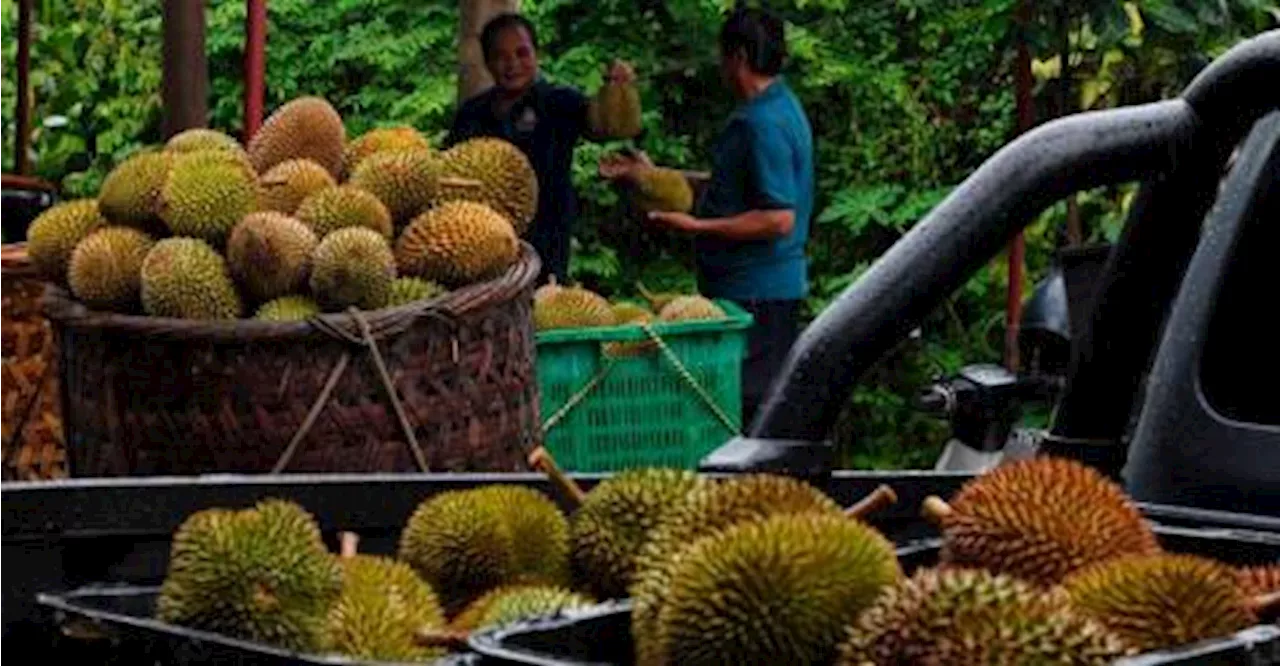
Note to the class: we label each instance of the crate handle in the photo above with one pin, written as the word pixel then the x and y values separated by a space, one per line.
pixel 690 380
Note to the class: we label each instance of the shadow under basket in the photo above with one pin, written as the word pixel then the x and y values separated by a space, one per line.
pixel 33 447
pixel 600 635
pixel 146 396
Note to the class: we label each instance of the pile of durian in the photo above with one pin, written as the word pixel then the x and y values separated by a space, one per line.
pixel 573 306
pixel 1045 561
pixel 301 220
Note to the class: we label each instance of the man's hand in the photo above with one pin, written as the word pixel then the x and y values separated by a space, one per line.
pixel 677 221
pixel 620 72
pixel 621 166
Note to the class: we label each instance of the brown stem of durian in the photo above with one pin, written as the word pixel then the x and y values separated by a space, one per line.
pixel 935 509
pixel 645 293
pixel 350 544
pixel 450 639
pixel 879 498
pixel 452 181
pixel 541 460
pixel 1265 604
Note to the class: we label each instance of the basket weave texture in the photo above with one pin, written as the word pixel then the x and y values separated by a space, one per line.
pixel 32 429
pixel 158 396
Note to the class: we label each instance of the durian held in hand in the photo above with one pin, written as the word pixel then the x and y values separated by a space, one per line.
pixel 775 586
pixel 614 111
pixel 300 221
pixel 652 188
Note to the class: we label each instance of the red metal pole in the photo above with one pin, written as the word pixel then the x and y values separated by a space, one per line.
pixel 24 87
pixel 255 57
pixel 1026 118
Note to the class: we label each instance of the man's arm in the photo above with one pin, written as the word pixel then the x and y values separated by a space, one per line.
pixel 772 194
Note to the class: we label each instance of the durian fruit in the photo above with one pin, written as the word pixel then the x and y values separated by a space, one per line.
pixel 465 543
pixel 262 574
pixel 508 183
pixel 130 194
pixel 456 243
pixel 105 271
pixel 55 233
pixel 1162 601
pixel 656 301
pixel 405 181
pixel 411 289
pixel 626 313
pixel 306 127
pixel 660 189
pixel 779 591
pixel 285 186
pixel 383 610
pixel 1039 519
pixel 614 112
pixel 614 521
pixel 293 307
pixel 352 267
pixel 708 509
pixel 379 139
pixel 202 138
pixel 514 603
pixel 269 254
pixel 690 308
pixel 186 278
pixel 971 617
pixel 557 306
pixel 344 206
pixel 1258 580
pixel 206 194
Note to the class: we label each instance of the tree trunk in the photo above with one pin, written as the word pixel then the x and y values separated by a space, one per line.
pixel 185 73
pixel 473 77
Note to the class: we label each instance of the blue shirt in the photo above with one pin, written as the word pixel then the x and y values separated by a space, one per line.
pixel 762 160
pixel 546 124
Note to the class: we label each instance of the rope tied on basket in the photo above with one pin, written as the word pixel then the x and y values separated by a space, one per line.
pixel 367 341
pixel 610 361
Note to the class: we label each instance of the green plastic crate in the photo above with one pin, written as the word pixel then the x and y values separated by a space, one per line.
pixel 643 411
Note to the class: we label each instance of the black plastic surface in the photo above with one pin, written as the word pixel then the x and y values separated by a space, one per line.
pixel 123 617
pixel 600 635
pixel 1208 433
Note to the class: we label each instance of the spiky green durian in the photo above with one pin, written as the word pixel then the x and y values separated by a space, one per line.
pixel 383 608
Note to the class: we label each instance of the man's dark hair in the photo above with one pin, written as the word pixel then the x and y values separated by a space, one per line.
pixel 760 35
pixel 501 22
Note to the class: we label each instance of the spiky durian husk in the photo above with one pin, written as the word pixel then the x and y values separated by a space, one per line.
pixel 709 508
pixel 262 574
pixel 1041 519
pixel 513 603
pixel 384 605
pixel 779 591
pixel 1162 601
pixel 562 306
pixel 538 529
pixel 969 617
pixel 689 308
pixel 615 521
pixel 1260 579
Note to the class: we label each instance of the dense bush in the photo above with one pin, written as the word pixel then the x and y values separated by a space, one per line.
pixel 906 98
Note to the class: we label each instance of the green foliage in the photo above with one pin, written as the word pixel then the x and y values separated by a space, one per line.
pixel 906 98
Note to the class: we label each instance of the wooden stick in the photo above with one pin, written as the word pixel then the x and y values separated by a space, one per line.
pixel 450 639
pixel 936 509
pixel 879 498
pixel 541 460
pixel 350 544
pixel 1265 603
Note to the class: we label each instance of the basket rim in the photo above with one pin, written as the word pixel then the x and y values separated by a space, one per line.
pixel 738 319
pixel 63 311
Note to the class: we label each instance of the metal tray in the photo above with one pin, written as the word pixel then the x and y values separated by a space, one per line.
pixel 600 635
pixel 122 617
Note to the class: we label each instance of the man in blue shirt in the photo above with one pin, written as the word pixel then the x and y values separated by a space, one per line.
pixel 544 120
pixel 752 221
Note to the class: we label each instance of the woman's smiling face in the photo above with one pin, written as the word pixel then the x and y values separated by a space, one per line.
pixel 514 60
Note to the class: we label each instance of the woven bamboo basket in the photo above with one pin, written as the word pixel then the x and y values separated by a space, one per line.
pixel 158 396
pixel 32 429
